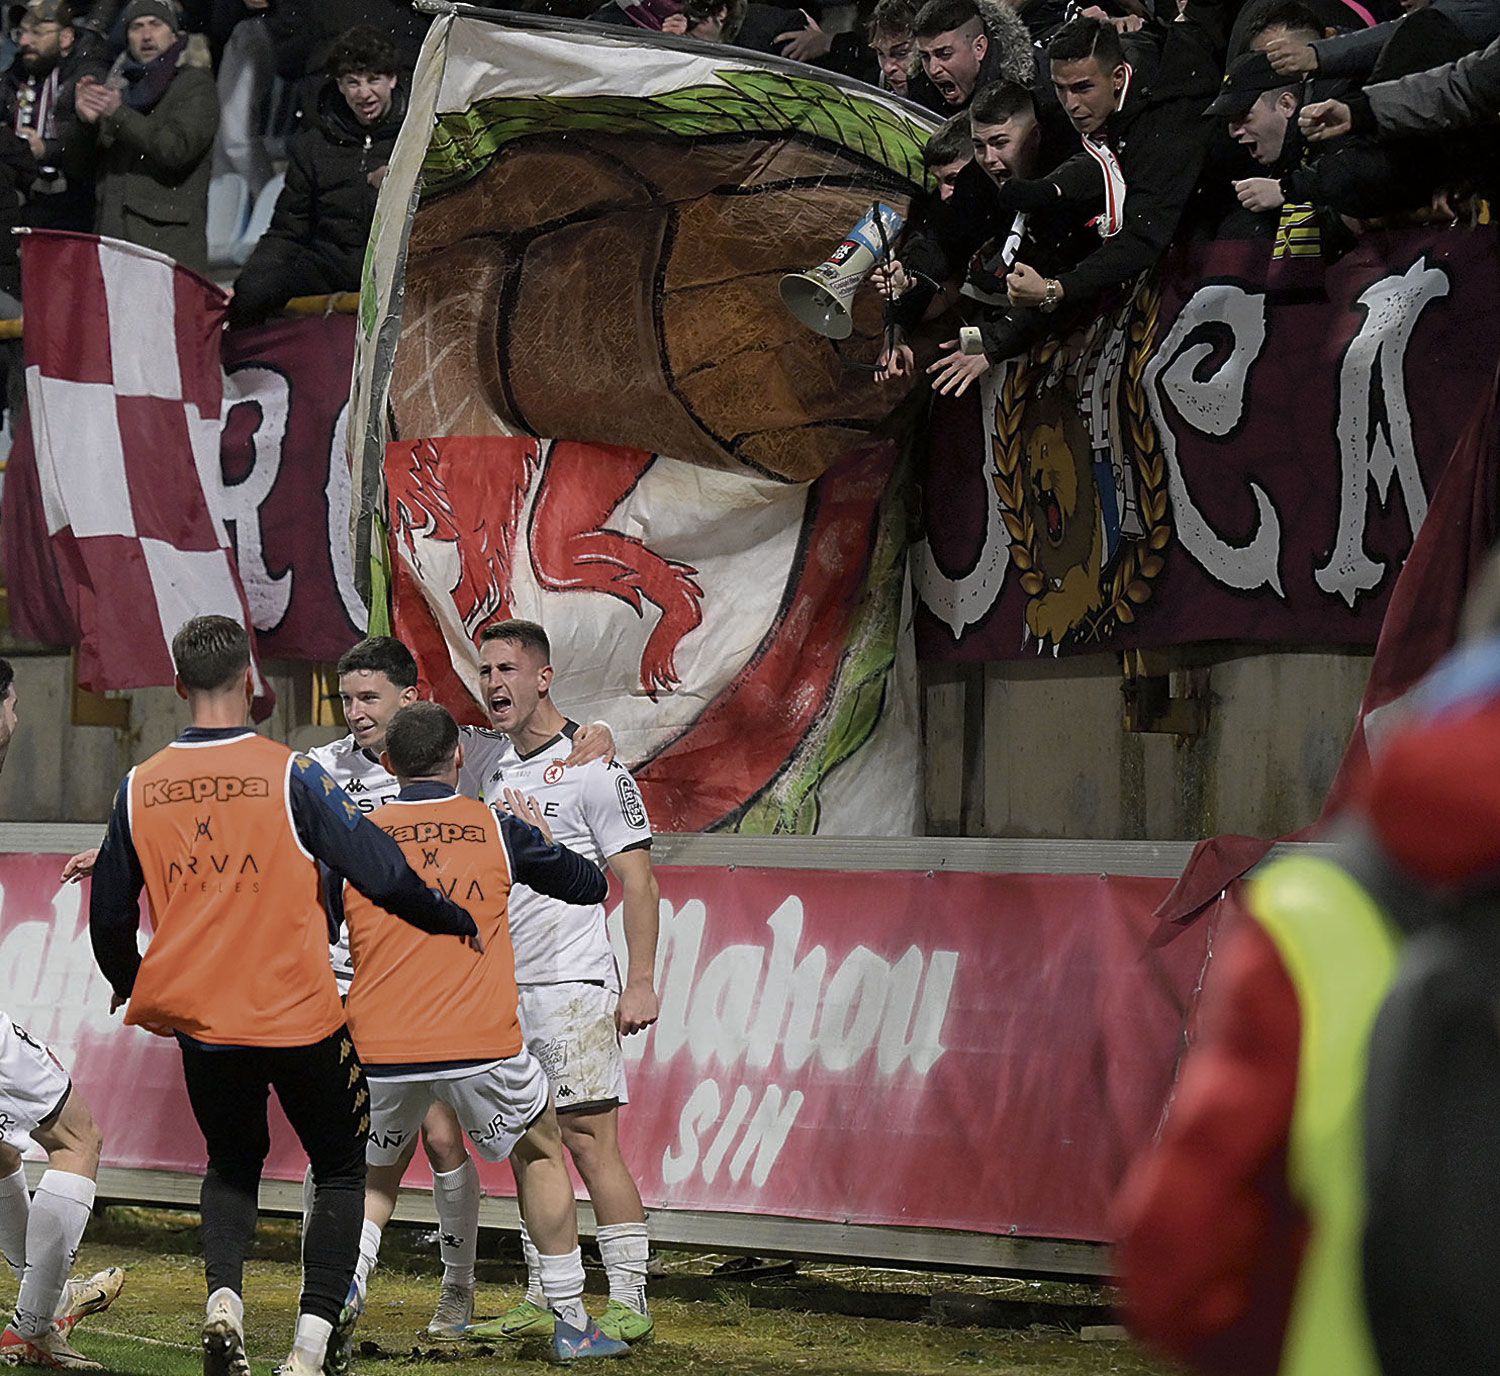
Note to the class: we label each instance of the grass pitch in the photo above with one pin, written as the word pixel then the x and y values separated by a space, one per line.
pixel 825 1319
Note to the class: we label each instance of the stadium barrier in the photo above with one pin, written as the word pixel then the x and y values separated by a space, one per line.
pixel 935 1053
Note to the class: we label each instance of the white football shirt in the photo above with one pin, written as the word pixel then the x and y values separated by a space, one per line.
pixel 369 784
pixel 595 809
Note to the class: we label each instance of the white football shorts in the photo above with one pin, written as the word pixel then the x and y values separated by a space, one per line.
pixel 33 1085
pixel 494 1106
pixel 570 1028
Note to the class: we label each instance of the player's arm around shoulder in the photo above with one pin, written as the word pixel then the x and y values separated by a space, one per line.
pixel 335 831
pixel 641 918
pixel 541 863
pixel 114 900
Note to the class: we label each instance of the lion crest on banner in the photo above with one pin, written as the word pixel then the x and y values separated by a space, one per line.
pixel 1081 478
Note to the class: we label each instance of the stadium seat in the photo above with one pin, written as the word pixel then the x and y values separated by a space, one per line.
pixel 228 206
pixel 260 219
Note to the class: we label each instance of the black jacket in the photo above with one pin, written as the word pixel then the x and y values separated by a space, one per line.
pixel 1010 56
pixel 62 192
pixel 324 211
pixel 947 234
pixel 1159 136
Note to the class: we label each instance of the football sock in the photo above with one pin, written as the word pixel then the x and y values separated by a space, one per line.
pixel 369 1254
pixel 624 1247
pixel 311 1340
pixel 15 1207
pixel 533 1269
pixel 307 1202
pixel 59 1214
pixel 562 1283
pixel 456 1194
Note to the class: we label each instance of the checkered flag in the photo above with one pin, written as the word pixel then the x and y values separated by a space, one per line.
pixel 125 395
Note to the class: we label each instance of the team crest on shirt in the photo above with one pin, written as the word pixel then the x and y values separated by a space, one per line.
pixel 552 773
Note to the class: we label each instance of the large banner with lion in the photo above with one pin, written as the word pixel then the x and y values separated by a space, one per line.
pixel 578 398
pixel 1224 457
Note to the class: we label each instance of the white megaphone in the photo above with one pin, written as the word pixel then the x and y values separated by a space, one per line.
pixel 821 298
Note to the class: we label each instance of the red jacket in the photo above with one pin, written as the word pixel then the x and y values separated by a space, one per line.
pixel 1211 1240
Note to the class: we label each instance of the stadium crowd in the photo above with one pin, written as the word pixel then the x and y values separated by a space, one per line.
pixel 248 138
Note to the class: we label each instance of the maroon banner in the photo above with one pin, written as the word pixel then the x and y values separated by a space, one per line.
pixel 979 1052
pixel 286 483
pixel 286 497
pixel 1217 460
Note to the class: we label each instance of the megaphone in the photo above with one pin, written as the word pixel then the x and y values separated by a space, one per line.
pixel 821 298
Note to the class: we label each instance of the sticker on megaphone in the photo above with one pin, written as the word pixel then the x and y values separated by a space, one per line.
pixel 820 298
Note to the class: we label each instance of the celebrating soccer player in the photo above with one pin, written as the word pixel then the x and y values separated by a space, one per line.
pixel 224 829
pixel 573 1004
pixel 376 679
pixel 40 1233
pixel 436 1024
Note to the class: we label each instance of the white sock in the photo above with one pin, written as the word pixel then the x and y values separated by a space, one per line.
pixel 15 1207
pixel 227 1296
pixel 369 1254
pixel 456 1194
pixel 623 1248
pixel 562 1284
pixel 311 1340
pixel 307 1202
pixel 533 1269
pixel 59 1214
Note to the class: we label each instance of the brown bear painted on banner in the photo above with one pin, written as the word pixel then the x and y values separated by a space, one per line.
pixel 580 271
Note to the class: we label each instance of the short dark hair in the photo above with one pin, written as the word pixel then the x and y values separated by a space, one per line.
pixel 362 49
pixel 943 16
pixel 7 678
pixel 381 654
pixel 1287 14
pixel 1084 37
pixel 526 633
pixel 1000 101
pixel 892 17
pixel 950 144
pixel 210 652
pixel 420 740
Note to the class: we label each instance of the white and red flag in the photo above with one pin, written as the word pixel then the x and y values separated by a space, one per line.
pixel 125 394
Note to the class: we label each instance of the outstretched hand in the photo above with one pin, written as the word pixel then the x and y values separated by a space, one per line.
pixel 1325 119
pixel 79 867
pixel 527 809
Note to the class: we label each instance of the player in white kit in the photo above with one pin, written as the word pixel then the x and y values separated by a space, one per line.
pixel 378 677
pixel 573 1004
pixel 40 1233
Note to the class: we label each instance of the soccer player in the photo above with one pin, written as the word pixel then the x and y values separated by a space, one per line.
pixel 224 828
pixel 436 1024
pixel 573 1006
pixel 39 1234
pixel 378 677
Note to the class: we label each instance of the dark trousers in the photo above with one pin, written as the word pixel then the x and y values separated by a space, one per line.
pixel 323 1093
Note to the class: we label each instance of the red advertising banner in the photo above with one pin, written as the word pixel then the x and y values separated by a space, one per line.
pixel 1220 459
pixel 969 1051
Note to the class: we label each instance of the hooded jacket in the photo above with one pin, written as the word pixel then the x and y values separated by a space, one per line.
pixel 1009 57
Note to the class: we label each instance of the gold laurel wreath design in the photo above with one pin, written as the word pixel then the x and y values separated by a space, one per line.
pixel 1010 485
pixel 1140 560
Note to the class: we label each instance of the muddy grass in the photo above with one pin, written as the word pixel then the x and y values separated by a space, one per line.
pixel 838 1320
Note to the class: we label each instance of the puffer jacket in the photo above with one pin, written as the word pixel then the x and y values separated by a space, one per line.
pixel 326 208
